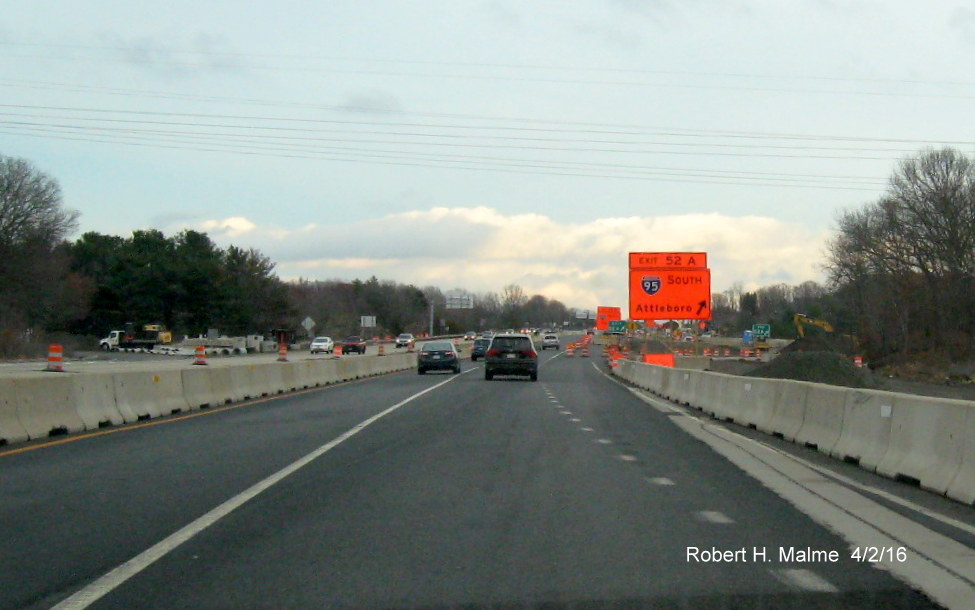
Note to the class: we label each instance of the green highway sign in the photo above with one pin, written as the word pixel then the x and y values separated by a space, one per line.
pixel 761 331
pixel 617 326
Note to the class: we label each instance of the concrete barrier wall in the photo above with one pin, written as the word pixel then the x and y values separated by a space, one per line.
pixel 11 430
pixel 44 404
pixel 822 421
pixel 926 441
pixel 866 427
pixel 912 438
pixel 93 396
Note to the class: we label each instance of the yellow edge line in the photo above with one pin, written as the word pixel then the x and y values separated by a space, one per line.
pixel 171 419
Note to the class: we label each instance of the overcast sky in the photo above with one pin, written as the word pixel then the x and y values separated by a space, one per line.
pixel 474 144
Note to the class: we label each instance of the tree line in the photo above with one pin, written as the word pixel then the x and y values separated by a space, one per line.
pixel 901 276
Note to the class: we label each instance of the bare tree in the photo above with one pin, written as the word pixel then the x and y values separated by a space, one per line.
pixel 33 224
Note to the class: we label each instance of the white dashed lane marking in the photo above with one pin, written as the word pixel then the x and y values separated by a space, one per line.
pixel 660 481
pixel 713 516
pixel 804 580
pixel 587 429
pixel 627 458
pixel 604 441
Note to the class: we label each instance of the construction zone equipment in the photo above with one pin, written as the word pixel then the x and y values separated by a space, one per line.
pixel 382 350
pixel 338 349
pixel 201 355
pixel 585 350
pixel 283 352
pixel 802 320
pixel 55 358
pixel 570 350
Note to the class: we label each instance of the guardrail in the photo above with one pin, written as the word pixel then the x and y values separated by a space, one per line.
pixel 61 403
pixel 917 439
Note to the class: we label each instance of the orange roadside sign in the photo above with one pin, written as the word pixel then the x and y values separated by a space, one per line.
pixel 669 260
pixel 656 294
pixel 605 315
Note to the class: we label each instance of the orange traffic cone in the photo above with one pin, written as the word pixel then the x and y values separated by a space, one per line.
pixel 201 355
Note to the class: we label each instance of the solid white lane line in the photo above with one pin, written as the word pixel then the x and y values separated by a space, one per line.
pixel 660 481
pixel 112 580
pixel 805 580
pixel 713 516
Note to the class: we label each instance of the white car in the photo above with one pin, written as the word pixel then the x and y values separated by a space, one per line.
pixel 323 345
pixel 405 340
pixel 550 340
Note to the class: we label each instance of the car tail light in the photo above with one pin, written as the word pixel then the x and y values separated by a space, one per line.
pixel 494 352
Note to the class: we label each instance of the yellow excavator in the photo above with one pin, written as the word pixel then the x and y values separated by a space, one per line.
pixel 801 320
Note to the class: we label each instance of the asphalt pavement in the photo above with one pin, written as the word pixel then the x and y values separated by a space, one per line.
pixel 417 492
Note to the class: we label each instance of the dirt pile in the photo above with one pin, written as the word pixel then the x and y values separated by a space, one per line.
pixel 818 366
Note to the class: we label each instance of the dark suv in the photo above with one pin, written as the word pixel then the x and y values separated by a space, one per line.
pixel 479 348
pixel 511 354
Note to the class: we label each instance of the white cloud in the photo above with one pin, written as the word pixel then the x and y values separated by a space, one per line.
pixel 482 250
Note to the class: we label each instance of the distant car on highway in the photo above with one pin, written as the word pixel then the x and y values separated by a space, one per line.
pixel 354 343
pixel 470 335
pixel 479 348
pixel 322 345
pixel 438 355
pixel 550 340
pixel 405 340
pixel 511 354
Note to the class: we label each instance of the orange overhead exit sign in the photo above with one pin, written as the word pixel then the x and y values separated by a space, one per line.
pixel 672 260
pixel 661 293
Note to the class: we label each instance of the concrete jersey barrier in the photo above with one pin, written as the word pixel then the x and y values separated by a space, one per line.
pixel 39 405
pixel 906 437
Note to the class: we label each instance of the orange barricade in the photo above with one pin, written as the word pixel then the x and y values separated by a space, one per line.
pixel 201 355
pixel 55 358
pixel 283 352
pixel 660 359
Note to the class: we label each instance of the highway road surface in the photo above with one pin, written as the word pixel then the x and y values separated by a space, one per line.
pixel 448 490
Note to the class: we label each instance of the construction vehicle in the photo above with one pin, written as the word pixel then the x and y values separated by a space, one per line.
pixel 147 338
pixel 802 320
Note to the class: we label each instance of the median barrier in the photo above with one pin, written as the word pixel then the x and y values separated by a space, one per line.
pixel 344 369
pixel 962 487
pixel 44 406
pixel 93 397
pixel 143 395
pixel 758 402
pixel 224 390
pixel 711 396
pixel 198 388
pixel 696 382
pixel 725 395
pixel 926 441
pixel 254 380
pixel 274 378
pixel 822 419
pixel 790 408
pixel 866 428
pixel 11 430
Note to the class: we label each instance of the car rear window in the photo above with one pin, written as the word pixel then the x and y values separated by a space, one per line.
pixel 439 346
pixel 482 342
pixel 511 343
